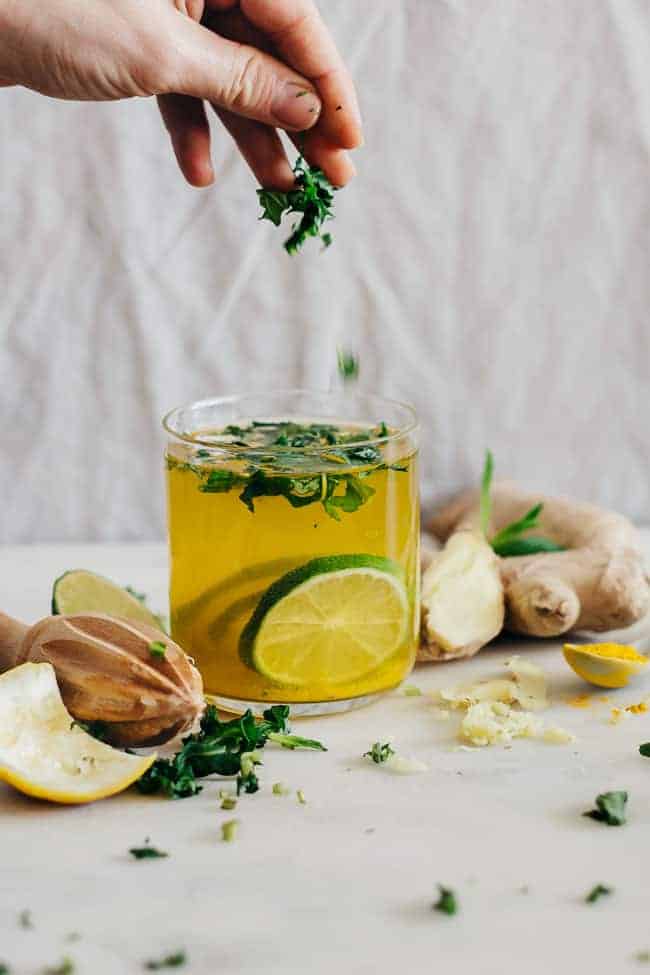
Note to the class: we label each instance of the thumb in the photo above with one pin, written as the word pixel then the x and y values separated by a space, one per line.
pixel 241 79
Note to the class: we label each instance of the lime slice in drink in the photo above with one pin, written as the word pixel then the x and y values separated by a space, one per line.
pixel 80 591
pixel 335 619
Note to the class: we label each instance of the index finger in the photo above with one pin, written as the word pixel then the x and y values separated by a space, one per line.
pixel 300 36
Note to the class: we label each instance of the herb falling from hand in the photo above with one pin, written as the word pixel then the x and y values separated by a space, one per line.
pixel 312 198
pixel 348 365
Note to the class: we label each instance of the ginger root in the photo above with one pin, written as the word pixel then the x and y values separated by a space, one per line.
pixel 462 598
pixel 599 583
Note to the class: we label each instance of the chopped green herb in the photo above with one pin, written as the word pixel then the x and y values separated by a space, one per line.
pixel 643 957
pixel 229 830
pixel 348 365
pixel 147 852
pixel 222 748
pixel 645 749
pixel 158 649
pixel 446 903
pixel 4 968
pixel 312 198
pixel 66 967
pixel 280 789
pixel 25 920
pixel 610 808
pixel 265 474
pixel 300 795
pixel 301 94
pixel 379 752
pixel 412 691
pixel 229 802
pixel 597 892
pixel 174 960
pixel 509 541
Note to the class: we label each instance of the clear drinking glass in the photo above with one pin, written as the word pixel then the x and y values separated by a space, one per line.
pixel 294 546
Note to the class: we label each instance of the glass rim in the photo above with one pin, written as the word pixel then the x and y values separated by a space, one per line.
pixel 410 427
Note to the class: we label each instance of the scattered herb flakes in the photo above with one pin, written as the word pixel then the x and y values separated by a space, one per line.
pixel 301 94
pixel 280 789
pixel 158 649
pixel 643 957
pixel 300 796
pixel 510 540
pixel 229 802
pixel 645 749
pixel 222 748
pixel 229 830
pixel 312 198
pixel 348 365
pixel 610 808
pixel 446 903
pixel 174 960
pixel 597 892
pixel 4 968
pixel 412 691
pixel 147 852
pixel 380 753
pixel 65 967
pixel 25 920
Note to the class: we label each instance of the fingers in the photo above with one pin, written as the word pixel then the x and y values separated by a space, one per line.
pixel 262 149
pixel 241 79
pixel 318 151
pixel 187 124
pixel 300 36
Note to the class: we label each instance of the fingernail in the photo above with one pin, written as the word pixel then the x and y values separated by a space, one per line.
pixel 296 107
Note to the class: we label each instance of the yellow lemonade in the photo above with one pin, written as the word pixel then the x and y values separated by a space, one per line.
pixel 294 559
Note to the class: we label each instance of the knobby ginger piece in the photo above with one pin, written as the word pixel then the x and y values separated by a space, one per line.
pixel 462 598
pixel 599 583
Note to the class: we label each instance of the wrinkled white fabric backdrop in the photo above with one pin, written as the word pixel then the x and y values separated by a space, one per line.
pixel 491 262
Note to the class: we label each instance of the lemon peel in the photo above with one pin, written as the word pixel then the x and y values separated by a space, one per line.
pixel 45 754
pixel 604 664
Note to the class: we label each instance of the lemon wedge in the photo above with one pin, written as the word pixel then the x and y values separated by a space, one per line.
pixel 604 664
pixel 44 754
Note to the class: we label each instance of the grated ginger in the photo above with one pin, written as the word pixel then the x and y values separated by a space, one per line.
pixel 501 709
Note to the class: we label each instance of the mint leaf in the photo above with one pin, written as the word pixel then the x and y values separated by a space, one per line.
pixel 446 903
pixel 610 808
pixel 530 545
pixel 597 892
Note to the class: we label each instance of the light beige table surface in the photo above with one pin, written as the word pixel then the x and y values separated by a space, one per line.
pixel 345 883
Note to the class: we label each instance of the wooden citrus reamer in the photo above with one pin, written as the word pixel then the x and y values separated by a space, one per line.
pixel 107 672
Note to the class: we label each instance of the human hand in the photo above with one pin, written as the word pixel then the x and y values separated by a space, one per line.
pixel 262 64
